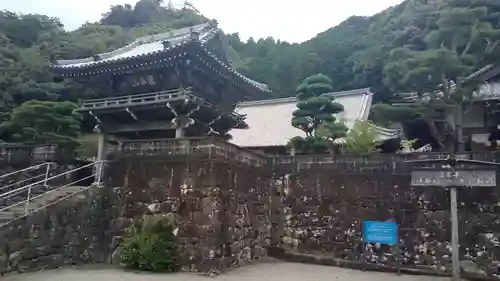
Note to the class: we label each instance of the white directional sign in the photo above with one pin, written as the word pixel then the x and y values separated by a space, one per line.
pixel 457 178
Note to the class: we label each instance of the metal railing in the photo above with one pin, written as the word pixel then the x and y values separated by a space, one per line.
pixel 44 171
pixel 31 168
pixel 21 182
pixel 28 189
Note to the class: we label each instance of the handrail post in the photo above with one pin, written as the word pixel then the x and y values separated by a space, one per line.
pixel 47 174
pixel 99 171
pixel 26 207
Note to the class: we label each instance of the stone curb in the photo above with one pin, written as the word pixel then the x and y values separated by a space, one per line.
pixel 287 256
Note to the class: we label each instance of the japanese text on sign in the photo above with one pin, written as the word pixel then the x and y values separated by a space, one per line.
pixel 380 232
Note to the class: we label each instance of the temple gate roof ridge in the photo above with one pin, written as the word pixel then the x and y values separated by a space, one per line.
pixel 151 51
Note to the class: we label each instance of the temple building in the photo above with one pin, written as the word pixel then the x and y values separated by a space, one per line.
pixel 171 85
pixel 270 126
pixel 181 84
pixel 480 120
pixel 483 118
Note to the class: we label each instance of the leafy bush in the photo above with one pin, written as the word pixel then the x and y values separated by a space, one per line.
pixel 151 246
pixel 362 139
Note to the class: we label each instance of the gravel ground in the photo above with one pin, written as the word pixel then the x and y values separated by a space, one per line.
pixel 260 272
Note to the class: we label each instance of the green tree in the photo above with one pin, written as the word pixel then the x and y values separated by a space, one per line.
pixel 28 43
pixel 332 131
pixel 357 53
pixel 463 40
pixel 316 110
pixel 42 122
pixel 361 139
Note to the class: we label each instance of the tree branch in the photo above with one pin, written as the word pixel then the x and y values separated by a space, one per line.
pixel 490 46
pixel 469 43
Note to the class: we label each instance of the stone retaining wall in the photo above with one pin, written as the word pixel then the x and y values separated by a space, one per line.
pixel 324 211
pixel 229 206
pixel 67 233
pixel 220 207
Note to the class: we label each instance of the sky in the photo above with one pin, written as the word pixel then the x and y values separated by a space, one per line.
pixel 289 20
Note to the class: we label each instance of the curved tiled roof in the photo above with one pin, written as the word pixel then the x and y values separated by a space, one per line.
pixel 148 47
pixel 228 68
pixel 485 73
pixel 143 46
pixel 488 89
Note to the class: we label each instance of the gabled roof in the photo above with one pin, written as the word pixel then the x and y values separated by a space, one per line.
pixel 485 73
pixel 488 89
pixel 269 121
pixel 154 52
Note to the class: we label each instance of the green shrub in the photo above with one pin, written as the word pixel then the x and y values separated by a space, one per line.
pixel 151 246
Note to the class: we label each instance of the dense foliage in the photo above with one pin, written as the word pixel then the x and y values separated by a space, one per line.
pixel 362 139
pixel 151 246
pixel 355 53
pixel 28 43
pixel 43 122
pixel 316 110
pixel 434 38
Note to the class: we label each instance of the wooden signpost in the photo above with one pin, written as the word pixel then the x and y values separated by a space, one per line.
pixel 453 179
pixel 450 178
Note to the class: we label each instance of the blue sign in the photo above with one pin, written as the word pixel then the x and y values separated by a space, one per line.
pixel 380 232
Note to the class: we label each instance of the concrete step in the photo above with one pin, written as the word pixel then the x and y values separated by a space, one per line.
pixel 35 193
pixel 19 210
pixel 7 215
pixel 4 221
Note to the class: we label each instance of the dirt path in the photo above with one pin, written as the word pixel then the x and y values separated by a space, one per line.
pixel 258 272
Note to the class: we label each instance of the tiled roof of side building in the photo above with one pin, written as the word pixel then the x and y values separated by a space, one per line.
pixel 269 121
pixel 154 44
pixel 488 91
pixel 485 73
pixel 488 88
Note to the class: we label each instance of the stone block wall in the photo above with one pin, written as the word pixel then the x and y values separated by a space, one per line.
pixel 323 212
pixel 245 225
pixel 67 233
pixel 218 206
pixel 229 205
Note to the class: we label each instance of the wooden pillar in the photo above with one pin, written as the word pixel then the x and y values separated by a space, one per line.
pixel 181 123
pixel 179 132
pixel 455 256
pixel 101 148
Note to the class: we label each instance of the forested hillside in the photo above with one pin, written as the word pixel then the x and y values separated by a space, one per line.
pixel 355 53
pixel 371 52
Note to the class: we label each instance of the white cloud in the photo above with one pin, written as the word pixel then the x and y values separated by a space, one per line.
pixel 290 20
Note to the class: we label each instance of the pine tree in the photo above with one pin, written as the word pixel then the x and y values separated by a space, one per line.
pixel 316 110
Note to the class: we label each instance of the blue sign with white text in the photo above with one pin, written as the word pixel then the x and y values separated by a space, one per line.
pixel 380 232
